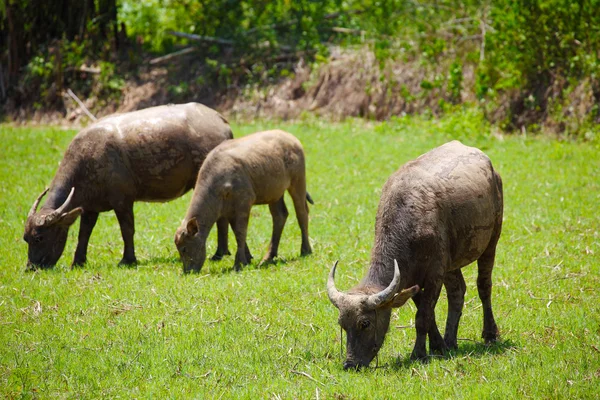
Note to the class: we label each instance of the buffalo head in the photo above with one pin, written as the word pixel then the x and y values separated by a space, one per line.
pixel 366 316
pixel 191 246
pixel 46 232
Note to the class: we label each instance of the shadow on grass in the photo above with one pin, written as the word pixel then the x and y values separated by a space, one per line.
pixel 214 267
pixel 254 265
pixel 217 268
pixel 471 349
pixel 171 261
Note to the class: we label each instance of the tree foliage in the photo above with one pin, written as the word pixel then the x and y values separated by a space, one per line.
pixel 525 46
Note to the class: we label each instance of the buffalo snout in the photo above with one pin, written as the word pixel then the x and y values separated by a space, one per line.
pixel 349 365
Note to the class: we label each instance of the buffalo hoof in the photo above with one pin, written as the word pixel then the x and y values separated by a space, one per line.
pixel 437 345
pixel 78 263
pixel 305 252
pixel 267 260
pixel 490 339
pixel 31 267
pixel 128 262
pixel 419 356
pixel 452 344
pixel 438 350
pixel 219 255
pixel 238 264
pixel 490 336
pixel 349 365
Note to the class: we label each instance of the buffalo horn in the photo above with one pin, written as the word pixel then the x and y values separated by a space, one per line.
pixel 58 212
pixel 335 295
pixel 36 203
pixel 375 300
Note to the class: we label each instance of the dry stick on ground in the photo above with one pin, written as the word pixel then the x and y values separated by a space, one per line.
pixel 306 375
pixel 84 68
pixel 169 56
pixel 226 42
pixel 200 38
pixel 341 29
pixel 83 107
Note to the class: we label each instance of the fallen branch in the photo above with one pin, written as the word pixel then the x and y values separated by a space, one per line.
pixel 83 107
pixel 172 55
pixel 340 29
pixel 85 68
pixel 200 38
pixel 91 70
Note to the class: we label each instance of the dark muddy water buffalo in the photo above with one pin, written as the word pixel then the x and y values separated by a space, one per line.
pixel 436 215
pixel 148 155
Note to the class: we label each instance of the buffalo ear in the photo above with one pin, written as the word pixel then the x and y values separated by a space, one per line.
pixel 69 218
pixel 400 298
pixel 192 227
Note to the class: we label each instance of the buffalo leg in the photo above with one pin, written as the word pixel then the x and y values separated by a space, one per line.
pixel 126 221
pixel 298 194
pixel 279 213
pixel 485 264
pixel 426 325
pixel 249 256
pixel 455 289
pixel 86 225
pixel 222 239
pixel 240 229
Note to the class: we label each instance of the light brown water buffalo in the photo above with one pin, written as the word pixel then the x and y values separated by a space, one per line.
pixel 436 215
pixel 256 169
pixel 148 155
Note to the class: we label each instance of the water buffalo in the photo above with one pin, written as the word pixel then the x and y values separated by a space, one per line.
pixel 256 169
pixel 436 215
pixel 148 155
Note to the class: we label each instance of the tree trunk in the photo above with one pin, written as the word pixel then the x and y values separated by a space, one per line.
pixel 15 40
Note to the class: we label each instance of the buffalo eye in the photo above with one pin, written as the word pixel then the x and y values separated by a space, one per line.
pixel 38 238
pixel 183 249
pixel 364 324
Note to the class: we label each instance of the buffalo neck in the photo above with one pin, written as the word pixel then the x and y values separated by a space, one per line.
pixel 61 186
pixel 205 208
pixel 378 277
pixel 57 195
pixel 381 268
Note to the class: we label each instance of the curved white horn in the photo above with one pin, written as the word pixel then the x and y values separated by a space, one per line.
pixel 36 203
pixel 335 295
pixel 55 215
pixel 375 300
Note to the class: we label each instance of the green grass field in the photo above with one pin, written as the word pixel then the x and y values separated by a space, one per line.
pixel 271 332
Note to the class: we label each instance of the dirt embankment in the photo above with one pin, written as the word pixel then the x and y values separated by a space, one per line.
pixel 350 84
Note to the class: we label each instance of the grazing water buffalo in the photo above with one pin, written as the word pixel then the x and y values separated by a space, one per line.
pixel 147 155
pixel 437 214
pixel 256 169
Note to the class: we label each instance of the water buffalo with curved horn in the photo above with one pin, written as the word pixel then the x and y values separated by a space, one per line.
pixel 148 155
pixel 255 169
pixel 436 215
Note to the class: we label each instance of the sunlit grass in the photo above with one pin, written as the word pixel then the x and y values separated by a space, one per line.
pixel 268 332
